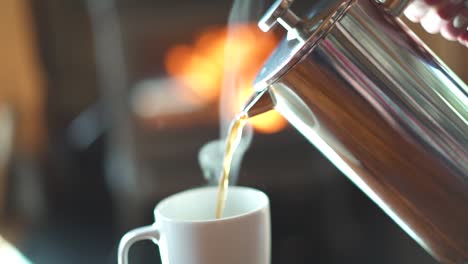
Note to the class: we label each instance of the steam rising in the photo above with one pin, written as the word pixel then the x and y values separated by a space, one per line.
pixel 242 12
pixel 234 82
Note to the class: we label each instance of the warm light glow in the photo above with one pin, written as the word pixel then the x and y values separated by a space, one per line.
pixel 219 54
pixel 196 72
pixel 269 122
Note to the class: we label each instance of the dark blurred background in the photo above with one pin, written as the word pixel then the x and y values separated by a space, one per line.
pixel 96 128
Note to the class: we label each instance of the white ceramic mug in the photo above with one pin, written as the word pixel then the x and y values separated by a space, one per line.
pixel 187 231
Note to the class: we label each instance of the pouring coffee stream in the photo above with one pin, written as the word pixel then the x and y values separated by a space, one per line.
pixel 368 94
pixel 232 142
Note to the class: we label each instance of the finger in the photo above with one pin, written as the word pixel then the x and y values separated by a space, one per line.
pixel 463 38
pixel 450 8
pixel 432 22
pixel 452 29
pixel 416 10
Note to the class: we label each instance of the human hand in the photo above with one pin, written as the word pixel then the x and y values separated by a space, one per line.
pixel 447 17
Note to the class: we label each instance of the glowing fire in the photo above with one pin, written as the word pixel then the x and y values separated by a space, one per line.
pixel 202 66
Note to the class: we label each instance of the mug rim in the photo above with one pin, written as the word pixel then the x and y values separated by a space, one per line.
pixel 264 204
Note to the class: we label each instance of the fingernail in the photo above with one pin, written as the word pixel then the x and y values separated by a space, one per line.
pixel 431 22
pixel 460 21
pixel 448 31
pixel 416 10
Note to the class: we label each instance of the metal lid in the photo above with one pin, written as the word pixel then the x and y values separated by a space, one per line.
pixel 302 35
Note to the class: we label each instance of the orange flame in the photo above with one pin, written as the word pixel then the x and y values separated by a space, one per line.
pixel 218 54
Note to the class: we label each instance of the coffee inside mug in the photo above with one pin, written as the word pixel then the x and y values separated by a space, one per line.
pixel 200 204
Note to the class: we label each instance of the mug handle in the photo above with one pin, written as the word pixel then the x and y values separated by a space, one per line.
pixel 141 233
